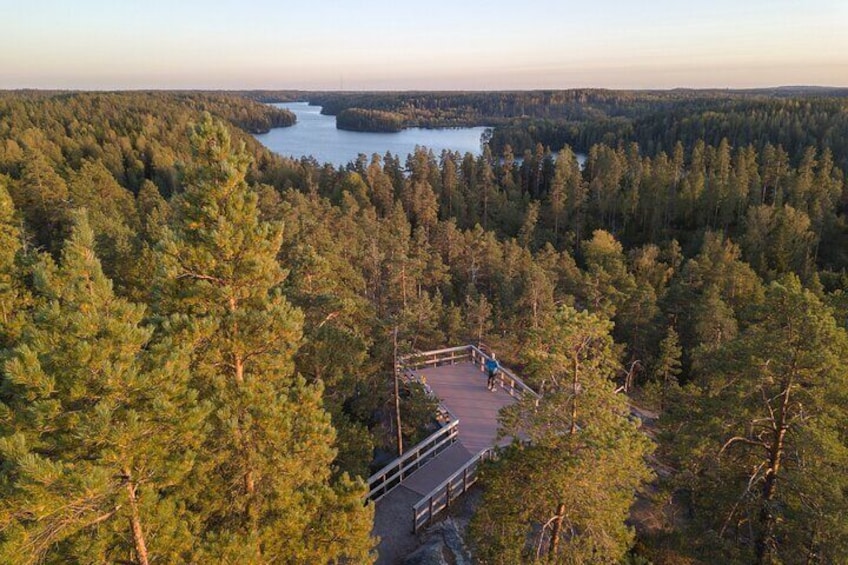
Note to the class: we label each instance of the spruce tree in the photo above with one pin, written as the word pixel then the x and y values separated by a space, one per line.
pixel 263 492
pixel 97 427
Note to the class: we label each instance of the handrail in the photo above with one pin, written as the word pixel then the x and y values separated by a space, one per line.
pixel 420 360
pixel 435 351
pixel 508 380
pixel 440 498
pixel 390 476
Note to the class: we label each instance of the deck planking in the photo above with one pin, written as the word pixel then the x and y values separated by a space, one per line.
pixel 462 389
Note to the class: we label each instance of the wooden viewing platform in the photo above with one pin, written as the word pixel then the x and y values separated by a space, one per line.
pixel 424 481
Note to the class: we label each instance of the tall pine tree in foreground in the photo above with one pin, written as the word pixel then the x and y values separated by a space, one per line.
pixel 762 435
pixel 563 493
pixel 97 427
pixel 263 492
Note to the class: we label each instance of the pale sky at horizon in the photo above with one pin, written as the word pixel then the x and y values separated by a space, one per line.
pixel 437 45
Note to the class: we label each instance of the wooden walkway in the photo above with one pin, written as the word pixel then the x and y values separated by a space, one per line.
pixel 462 389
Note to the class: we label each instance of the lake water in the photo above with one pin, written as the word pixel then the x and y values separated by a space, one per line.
pixel 316 135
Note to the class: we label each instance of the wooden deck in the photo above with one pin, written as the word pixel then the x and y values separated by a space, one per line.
pixel 462 389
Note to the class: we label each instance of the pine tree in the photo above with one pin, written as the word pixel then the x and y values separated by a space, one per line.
pixel 488 192
pixel 380 184
pixel 527 233
pixel 536 299
pixel 41 196
pixel 667 366
pixel 569 488
pixel 324 282
pixel 478 316
pixel 714 322
pixel 98 426
pixel 13 295
pixel 558 195
pixel 761 437
pixel 113 217
pixel 263 492
pixel 608 284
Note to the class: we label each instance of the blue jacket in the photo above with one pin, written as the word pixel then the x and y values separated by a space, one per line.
pixel 492 366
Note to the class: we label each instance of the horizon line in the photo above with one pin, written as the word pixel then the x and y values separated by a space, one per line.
pixel 440 90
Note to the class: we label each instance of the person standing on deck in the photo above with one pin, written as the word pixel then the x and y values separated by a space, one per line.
pixel 492 368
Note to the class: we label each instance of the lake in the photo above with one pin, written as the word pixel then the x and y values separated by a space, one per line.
pixel 316 135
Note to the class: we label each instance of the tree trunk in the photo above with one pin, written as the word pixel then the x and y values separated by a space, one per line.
pixel 556 227
pixel 397 394
pixel 764 540
pixel 574 384
pixel 485 206
pixel 249 478
pixel 554 546
pixel 535 311
pixel 403 283
pixel 238 375
pixel 135 523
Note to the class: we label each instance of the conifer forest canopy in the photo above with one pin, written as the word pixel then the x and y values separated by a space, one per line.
pixel 197 334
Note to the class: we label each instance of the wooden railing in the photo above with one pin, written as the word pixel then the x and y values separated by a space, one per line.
pixel 435 358
pixel 407 366
pixel 441 497
pixel 390 476
pixel 508 381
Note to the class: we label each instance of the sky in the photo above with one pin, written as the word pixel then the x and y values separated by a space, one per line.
pixel 425 45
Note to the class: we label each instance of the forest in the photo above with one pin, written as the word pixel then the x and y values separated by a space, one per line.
pixel 794 118
pixel 357 119
pixel 196 335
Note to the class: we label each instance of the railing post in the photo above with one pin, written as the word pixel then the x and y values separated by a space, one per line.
pixel 430 518
pixel 448 495
pixel 465 479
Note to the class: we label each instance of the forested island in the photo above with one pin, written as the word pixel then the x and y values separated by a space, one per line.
pixel 198 337
pixel 357 119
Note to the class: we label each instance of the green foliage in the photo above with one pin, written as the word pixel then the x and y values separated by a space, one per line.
pixel 42 196
pixel 13 295
pixel 564 495
pixel 255 495
pixel 338 324
pixel 659 120
pixel 608 282
pixel 761 434
pixel 665 370
pixel 98 425
pixel 418 408
pixel 303 272
pixel 779 241
pixel 113 217
pixel 359 119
